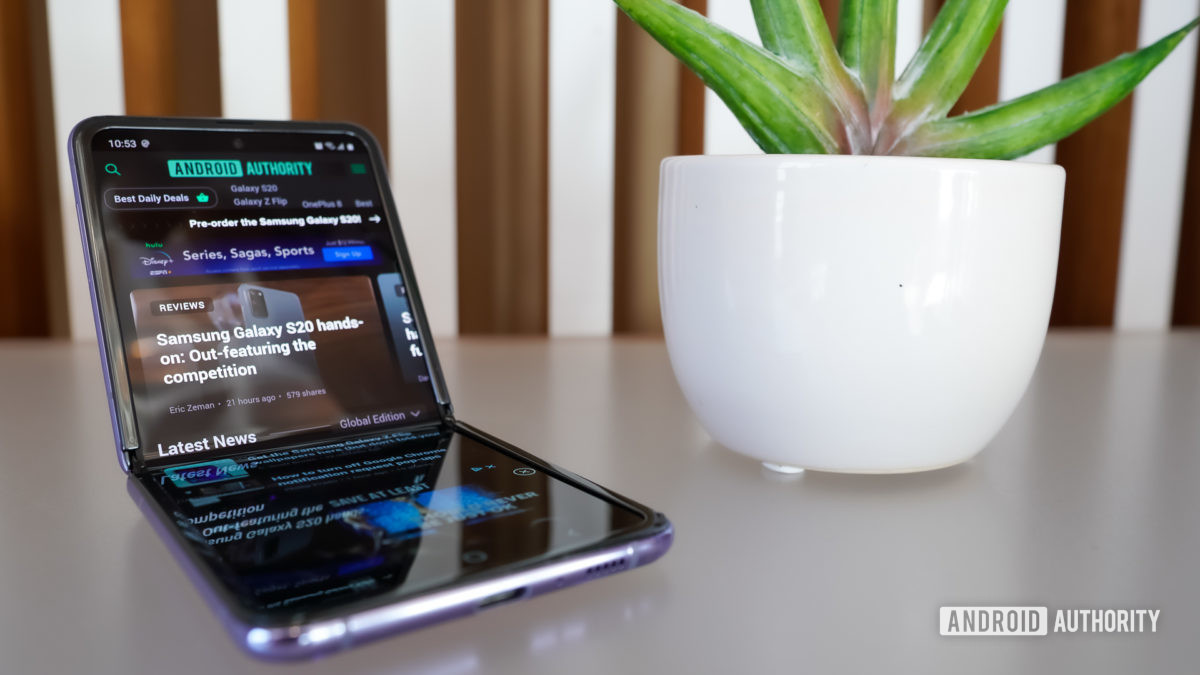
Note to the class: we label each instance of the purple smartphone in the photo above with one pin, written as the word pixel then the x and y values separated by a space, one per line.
pixel 277 401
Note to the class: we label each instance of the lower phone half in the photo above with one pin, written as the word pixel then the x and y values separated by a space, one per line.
pixel 309 550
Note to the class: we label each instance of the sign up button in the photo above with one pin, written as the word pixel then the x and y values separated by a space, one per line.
pixel 346 253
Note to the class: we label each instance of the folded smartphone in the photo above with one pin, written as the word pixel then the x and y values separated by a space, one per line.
pixel 277 401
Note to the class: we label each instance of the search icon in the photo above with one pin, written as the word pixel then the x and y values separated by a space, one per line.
pixel 111 168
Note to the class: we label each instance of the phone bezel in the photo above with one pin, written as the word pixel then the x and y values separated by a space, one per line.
pixel 104 306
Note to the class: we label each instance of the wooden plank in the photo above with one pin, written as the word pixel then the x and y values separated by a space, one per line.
pixel 501 88
pixel 171 57
pixel 338 54
pixel 1095 160
pixel 659 113
pixel 48 194
pixel 648 128
pixel 1185 310
pixel 690 137
pixel 22 296
pixel 831 8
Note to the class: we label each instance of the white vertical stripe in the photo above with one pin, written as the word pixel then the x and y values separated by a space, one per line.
pixel 1031 53
pixel 421 124
pixel 255 71
pixel 910 25
pixel 86 79
pixel 1158 145
pixel 723 134
pixel 582 118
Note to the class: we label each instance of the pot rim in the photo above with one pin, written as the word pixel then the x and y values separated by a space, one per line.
pixel 810 161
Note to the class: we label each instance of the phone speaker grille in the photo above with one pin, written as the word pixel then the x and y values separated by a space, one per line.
pixel 610 567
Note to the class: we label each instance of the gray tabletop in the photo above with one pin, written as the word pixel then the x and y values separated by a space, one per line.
pixel 1089 498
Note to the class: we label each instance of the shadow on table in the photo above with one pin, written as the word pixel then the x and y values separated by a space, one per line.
pixel 824 483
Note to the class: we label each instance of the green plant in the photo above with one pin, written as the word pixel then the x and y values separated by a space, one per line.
pixel 801 94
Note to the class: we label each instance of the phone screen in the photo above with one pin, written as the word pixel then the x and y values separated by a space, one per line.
pixel 259 297
pixel 291 532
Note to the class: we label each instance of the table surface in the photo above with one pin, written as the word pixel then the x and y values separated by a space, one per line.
pixel 1088 498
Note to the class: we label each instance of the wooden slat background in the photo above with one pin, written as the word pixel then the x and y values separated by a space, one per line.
pixel 23 311
pixel 1186 304
pixel 339 62
pixel 1095 160
pixel 172 66
pixel 337 55
pixel 502 166
pixel 660 113
pixel 48 219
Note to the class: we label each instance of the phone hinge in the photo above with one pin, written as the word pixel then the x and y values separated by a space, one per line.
pixel 131 461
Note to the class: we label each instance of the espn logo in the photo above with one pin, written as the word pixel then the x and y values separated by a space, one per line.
pixel 992 621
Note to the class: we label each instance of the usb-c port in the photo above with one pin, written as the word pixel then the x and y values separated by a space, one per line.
pixel 501 598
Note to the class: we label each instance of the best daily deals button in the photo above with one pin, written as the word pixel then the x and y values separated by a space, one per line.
pixel 160 198
pixel 344 253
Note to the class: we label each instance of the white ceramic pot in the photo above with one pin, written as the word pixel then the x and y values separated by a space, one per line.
pixel 856 314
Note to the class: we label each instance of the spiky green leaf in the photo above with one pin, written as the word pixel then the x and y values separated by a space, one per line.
pixel 784 110
pixel 793 29
pixel 796 31
pixel 1020 126
pixel 943 65
pixel 867 43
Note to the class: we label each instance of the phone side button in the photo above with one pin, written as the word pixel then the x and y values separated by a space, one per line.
pixel 503 597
